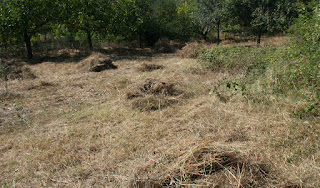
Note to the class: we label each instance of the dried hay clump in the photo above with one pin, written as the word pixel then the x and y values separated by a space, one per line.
pixel 191 50
pixel 212 166
pixel 152 87
pixel 149 67
pixel 17 70
pixel 152 103
pixel 163 46
pixel 96 63
pixel 152 95
pixel 41 85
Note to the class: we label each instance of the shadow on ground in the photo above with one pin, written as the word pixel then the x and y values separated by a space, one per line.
pixel 121 53
pixel 128 53
pixel 55 57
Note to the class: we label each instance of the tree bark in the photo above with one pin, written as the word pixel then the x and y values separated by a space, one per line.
pixel 27 40
pixel 89 40
pixel 139 39
pixel 218 31
pixel 205 35
pixel 259 37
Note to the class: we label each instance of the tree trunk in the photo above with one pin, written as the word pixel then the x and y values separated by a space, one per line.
pixel 27 40
pixel 218 31
pixel 259 38
pixel 205 34
pixel 89 40
pixel 139 39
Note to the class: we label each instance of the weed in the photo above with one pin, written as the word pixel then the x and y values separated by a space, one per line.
pixel 226 89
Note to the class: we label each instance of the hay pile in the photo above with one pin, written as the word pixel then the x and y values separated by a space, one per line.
pixel 152 95
pixel 163 45
pixel 192 49
pixel 149 67
pixel 12 70
pixel 96 63
pixel 214 166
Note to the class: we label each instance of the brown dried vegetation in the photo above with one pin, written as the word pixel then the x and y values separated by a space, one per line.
pixel 152 95
pixel 18 70
pixel 96 63
pixel 147 67
pixel 67 128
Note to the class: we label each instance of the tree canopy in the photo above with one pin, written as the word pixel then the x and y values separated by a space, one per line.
pixel 143 20
pixel 22 19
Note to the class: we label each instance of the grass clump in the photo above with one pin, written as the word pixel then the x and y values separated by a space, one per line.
pixel 215 166
pixel 149 67
pixel 152 95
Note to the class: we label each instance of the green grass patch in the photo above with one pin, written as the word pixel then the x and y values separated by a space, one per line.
pixel 267 71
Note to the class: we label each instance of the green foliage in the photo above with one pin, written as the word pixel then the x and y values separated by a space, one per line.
pixel 5 24
pixel 89 16
pixel 301 69
pixel 262 16
pixel 22 19
pixel 242 60
pixel 251 67
pixel 229 88
pixel 148 21
pixel 174 19
pixel 291 71
pixel 208 14
pixel 308 110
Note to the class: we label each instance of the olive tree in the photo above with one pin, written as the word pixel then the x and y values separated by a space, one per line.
pixel 208 14
pixel 27 18
pixel 89 16
pixel 262 16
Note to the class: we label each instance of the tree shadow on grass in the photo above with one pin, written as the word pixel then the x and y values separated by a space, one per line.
pixel 64 57
pixel 120 53
pixel 72 56
pixel 123 53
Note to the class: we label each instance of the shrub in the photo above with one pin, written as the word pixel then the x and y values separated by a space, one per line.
pixel 240 60
pixel 302 68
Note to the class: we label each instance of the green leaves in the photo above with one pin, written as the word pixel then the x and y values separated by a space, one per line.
pixel 22 19
pixel 262 16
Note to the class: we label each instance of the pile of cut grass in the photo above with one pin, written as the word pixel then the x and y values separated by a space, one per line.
pixel 153 95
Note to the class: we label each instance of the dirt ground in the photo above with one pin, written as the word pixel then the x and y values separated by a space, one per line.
pixel 69 128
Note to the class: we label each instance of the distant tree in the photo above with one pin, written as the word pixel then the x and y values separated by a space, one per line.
pixel 27 18
pixel 149 20
pixel 174 18
pixel 130 19
pixel 208 14
pixel 89 16
pixel 5 24
pixel 262 16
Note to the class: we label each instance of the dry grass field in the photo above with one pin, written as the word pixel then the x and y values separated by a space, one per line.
pixel 152 122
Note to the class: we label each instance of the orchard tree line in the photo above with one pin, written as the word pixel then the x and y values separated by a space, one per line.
pixel 145 21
